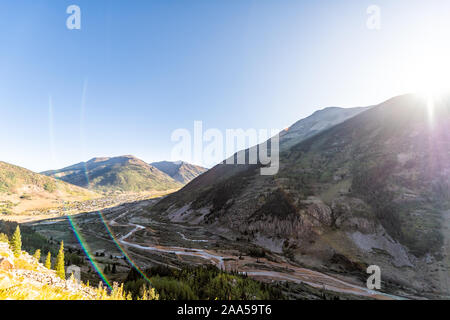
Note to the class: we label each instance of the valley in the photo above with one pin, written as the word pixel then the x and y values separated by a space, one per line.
pixel 72 207
pixel 132 230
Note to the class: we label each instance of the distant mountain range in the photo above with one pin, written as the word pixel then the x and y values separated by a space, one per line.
pixel 127 174
pixel 358 187
pixel 180 171
pixel 124 174
pixel 24 191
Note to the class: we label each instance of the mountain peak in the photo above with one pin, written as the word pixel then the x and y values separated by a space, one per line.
pixel 97 159
pixel 102 159
pixel 327 109
pixel 316 122
pixel 179 170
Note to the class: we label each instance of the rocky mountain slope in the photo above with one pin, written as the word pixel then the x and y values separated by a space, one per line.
pixel 374 189
pixel 315 123
pixel 123 174
pixel 22 190
pixel 180 171
pixel 24 278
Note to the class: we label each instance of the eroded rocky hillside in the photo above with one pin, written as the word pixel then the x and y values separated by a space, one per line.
pixel 24 278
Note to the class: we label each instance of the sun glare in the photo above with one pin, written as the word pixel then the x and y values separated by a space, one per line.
pixel 426 71
pixel 432 76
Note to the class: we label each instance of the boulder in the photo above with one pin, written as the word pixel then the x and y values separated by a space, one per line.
pixel 6 264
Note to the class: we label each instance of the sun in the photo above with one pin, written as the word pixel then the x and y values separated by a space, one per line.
pixel 432 84
pixel 432 77
pixel 428 70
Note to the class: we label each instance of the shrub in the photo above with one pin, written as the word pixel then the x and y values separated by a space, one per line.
pixel 50 187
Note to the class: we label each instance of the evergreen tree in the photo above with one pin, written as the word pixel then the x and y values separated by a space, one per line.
pixel 48 261
pixel 3 238
pixel 59 267
pixel 37 255
pixel 114 269
pixel 16 242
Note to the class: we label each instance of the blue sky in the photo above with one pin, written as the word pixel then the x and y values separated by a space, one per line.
pixel 137 70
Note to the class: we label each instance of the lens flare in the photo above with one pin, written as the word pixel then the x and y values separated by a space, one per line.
pixel 88 252
pixel 77 229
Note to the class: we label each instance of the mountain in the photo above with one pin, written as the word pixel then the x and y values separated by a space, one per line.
pixel 372 190
pixel 318 121
pixel 180 171
pixel 299 131
pixel 22 190
pixel 123 174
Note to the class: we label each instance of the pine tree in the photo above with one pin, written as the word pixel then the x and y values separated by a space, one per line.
pixel 16 242
pixel 59 267
pixel 37 255
pixel 4 238
pixel 48 261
